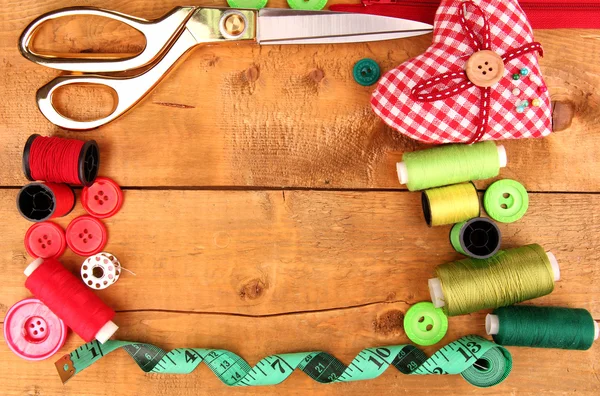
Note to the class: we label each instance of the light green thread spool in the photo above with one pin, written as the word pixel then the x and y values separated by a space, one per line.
pixel 450 204
pixel 542 327
pixel 478 238
pixel 450 164
pixel 509 277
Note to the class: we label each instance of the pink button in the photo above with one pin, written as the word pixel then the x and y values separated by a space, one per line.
pixel 32 331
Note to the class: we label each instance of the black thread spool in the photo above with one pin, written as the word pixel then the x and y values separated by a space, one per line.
pixel 478 238
pixel 88 161
pixel 43 201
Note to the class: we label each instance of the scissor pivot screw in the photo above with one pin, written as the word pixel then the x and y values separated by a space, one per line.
pixel 234 25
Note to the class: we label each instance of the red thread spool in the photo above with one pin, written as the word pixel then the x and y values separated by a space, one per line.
pixel 60 160
pixel 43 201
pixel 70 300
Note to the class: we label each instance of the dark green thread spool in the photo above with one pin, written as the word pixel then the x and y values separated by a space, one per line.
pixel 542 327
pixel 478 238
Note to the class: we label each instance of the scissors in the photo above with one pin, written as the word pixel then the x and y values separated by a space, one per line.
pixel 174 34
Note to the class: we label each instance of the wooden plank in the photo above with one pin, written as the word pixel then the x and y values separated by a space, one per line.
pixel 272 116
pixel 342 333
pixel 268 252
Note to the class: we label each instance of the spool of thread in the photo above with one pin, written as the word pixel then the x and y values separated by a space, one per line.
pixel 450 204
pixel 542 327
pixel 478 238
pixel 450 164
pixel 43 201
pixel 60 160
pixel 509 277
pixel 70 300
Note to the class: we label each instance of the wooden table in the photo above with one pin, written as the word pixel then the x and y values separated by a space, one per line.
pixel 263 215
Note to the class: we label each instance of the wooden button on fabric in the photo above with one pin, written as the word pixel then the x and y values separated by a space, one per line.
pixel 485 68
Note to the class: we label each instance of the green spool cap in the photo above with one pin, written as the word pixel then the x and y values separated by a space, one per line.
pixel 506 201
pixel 366 72
pixel 478 238
pixel 424 324
pixel 314 5
pixel 252 4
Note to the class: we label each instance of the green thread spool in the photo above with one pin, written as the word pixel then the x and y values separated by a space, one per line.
pixel 509 277
pixel 450 164
pixel 450 204
pixel 478 238
pixel 542 327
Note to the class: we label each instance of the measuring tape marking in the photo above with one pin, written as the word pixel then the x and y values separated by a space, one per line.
pixel 232 370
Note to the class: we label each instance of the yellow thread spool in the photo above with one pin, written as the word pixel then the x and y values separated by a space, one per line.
pixel 450 204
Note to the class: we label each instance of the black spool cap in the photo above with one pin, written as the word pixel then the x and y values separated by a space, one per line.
pixel 88 161
pixel 480 238
pixel 426 208
pixel 26 149
pixel 37 202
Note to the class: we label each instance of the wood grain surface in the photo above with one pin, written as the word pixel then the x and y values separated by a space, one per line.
pixel 263 215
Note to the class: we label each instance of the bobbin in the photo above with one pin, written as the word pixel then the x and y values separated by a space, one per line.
pixel 37 202
pixel 437 293
pixel 432 218
pixel 88 162
pixel 100 270
pixel 478 238
pixel 492 326
pixel 402 170
pixel 107 330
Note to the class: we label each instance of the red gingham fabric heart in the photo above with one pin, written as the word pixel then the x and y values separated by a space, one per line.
pixel 460 115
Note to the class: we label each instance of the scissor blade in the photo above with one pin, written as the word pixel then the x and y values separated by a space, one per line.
pixel 284 26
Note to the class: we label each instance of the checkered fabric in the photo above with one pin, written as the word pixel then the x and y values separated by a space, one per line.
pixel 464 112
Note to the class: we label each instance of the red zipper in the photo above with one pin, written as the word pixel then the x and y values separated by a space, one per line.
pixel 542 14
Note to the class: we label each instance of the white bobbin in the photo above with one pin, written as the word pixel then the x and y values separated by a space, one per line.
pixel 100 270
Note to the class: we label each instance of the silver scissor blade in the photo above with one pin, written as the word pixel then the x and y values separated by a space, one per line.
pixel 285 26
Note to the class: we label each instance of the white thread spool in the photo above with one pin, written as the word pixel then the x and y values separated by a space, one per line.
pixel 437 293
pixel 100 270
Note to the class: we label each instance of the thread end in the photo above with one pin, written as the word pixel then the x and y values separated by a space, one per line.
pixel 502 158
pixel 554 265
pixel 492 324
pixel 402 172
pixel 436 292
pixel 106 331
pixel 33 266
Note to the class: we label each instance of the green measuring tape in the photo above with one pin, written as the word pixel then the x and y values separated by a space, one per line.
pixel 481 362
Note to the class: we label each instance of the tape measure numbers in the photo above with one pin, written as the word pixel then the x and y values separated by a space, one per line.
pixel 480 361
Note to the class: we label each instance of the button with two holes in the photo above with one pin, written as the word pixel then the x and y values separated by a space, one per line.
pixel 506 201
pixel 102 199
pixel 45 240
pixel 86 236
pixel 485 68
pixel 314 5
pixel 424 324
pixel 366 72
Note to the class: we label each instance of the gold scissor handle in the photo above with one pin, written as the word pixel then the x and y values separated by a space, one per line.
pixel 159 34
pixel 127 90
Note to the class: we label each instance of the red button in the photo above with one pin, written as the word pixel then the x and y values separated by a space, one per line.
pixel 45 240
pixel 86 236
pixel 32 331
pixel 102 199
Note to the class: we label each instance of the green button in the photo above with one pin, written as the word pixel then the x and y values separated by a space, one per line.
pixel 424 324
pixel 366 72
pixel 254 4
pixel 506 201
pixel 307 4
